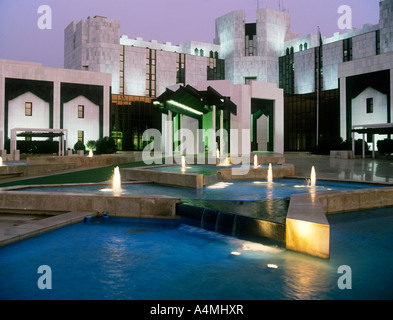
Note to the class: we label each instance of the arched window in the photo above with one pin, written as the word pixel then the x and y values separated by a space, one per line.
pixel 196 51
pixel 287 51
pixel 211 54
pixel 216 54
pixel 305 46
pixel 292 50
pixel 300 47
pixel 201 53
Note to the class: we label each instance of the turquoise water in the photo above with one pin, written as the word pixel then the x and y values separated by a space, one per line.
pixel 202 169
pixel 229 190
pixel 138 259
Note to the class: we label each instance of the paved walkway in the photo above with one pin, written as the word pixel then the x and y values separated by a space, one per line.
pixel 359 170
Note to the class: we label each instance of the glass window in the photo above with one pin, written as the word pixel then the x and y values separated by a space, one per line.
pixel 28 109
pixel 81 112
pixel 370 105
pixel 81 136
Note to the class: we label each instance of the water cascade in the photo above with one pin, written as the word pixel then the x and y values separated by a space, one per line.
pixel 90 153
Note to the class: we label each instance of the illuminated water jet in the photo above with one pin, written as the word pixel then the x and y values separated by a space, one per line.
pixel 270 174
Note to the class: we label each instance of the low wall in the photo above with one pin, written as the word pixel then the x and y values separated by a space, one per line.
pixel 137 206
pixel 307 228
pixel 34 170
pixel 185 180
pixel 85 161
pixel 355 200
pixel 286 170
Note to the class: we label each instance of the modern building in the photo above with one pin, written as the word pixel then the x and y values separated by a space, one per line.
pixel 45 103
pixel 330 84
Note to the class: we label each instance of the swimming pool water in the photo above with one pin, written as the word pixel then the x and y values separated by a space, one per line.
pixel 163 260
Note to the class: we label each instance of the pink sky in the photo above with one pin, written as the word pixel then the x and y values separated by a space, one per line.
pixel 176 21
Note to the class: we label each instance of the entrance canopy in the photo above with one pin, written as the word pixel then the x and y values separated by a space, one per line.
pixel 192 102
pixel 40 133
pixel 371 129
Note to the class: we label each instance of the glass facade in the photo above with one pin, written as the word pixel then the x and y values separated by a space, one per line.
pixel 130 117
pixel 300 119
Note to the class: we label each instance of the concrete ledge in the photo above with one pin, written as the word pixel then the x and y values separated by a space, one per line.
pixel 307 228
pixel 145 206
pixel 33 228
pixel 85 161
pixel 178 179
pixel 354 200
pixel 286 170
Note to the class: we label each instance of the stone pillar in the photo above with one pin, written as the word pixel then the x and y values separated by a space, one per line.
pixel 343 108
pixel 106 110
pixel 56 105
pixel 391 96
pixel 213 132
pixel 2 111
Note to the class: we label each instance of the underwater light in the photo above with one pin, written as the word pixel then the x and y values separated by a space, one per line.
pixel 235 253
pixel 272 266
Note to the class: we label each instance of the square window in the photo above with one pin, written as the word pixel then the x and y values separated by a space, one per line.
pixel 28 109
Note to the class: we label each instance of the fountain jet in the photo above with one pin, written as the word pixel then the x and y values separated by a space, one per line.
pixel 116 181
pixel 255 161
pixel 1 161
pixel 270 174
pixel 90 153
pixel 313 178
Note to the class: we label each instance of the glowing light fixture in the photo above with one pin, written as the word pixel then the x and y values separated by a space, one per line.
pixel 235 253
pixel 184 107
pixel 272 266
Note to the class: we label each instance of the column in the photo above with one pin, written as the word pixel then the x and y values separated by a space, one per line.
pixel 56 105
pixel 168 138
pixel 106 111
pixel 223 147
pixel 213 132
pixel 2 111
pixel 391 96
pixel 343 108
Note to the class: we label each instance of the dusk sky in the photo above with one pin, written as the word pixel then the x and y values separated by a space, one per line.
pixel 175 21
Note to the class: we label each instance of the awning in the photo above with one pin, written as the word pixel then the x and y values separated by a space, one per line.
pixel 384 128
pixel 192 102
pixel 40 134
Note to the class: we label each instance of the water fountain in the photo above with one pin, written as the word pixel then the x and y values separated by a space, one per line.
pixel 313 180
pixel 90 153
pixel 270 174
pixel 116 182
pixel 1 161
pixel 255 161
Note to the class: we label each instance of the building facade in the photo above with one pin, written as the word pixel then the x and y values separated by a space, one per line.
pixel 38 99
pixel 320 75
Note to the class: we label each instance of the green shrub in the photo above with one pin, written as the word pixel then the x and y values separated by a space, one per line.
pixel 91 144
pixel 385 147
pixel 79 146
pixel 106 145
